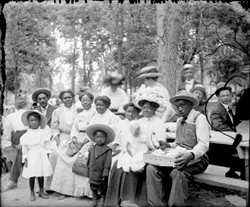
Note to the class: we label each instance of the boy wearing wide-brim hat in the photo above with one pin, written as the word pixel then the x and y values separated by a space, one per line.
pixel 200 93
pixel 192 137
pixel 99 159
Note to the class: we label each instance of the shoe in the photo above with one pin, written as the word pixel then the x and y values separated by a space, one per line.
pixel 32 197
pixel 11 185
pixel 43 195
pixel 47 192
pixel 61 197
pixel 232 174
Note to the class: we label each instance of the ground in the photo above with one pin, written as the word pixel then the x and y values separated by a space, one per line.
pixel 200 195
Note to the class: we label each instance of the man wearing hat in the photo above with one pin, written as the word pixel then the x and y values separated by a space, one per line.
pixel 200 93
pixel 223 119
pixel 192 136
pixel 188 73
pixel 150 74
pixel 42 96
pixel 13 130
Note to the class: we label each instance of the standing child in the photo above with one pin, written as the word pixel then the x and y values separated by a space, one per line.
pixel 34 143
pixel 99 160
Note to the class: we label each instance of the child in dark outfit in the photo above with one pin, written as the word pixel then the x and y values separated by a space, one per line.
pixel 99 160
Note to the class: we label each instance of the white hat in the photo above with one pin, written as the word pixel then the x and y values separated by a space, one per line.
pixel 25 115
pixel 149 72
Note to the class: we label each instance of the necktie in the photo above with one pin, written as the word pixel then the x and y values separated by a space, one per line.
pixel 231 113
pixel 183 121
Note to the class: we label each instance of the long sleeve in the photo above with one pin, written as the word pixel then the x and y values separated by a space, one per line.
pixel 203 137
pixel 217 121
pixel 55 123
pixel 74 131
pixel 107 164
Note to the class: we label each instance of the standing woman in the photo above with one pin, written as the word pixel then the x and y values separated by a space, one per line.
pixel 78 132
pixel 62 121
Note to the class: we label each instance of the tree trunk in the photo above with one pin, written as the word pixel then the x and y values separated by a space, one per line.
pixel 119 35
pixel 169 23
pixel 2 60
pixel 85 80
pixel 202 66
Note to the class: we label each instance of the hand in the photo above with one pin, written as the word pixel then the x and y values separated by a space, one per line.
pixel 19 148
pixel 74 139
pixel 25 162
pixel 79 110
pixel 57 138
pixel 182 160
pixel 105 179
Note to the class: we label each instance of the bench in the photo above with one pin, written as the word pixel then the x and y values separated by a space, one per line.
pixel 220 181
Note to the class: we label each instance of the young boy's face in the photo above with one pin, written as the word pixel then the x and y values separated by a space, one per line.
pixel 100 138
pixel 34 122
pixel 131 113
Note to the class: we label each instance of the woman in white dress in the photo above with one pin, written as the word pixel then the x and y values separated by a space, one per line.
pixel 62 120
pixel 35 146
pixel 78 133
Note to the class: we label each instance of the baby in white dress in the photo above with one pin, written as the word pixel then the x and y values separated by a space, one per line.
pixel 35 146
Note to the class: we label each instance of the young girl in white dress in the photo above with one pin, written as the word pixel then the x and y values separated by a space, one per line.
pixel 35 146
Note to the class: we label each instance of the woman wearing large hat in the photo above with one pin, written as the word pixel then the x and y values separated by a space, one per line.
pixel 117 95
pixel 150 74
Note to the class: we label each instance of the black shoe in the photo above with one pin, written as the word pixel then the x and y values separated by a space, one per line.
pixel 232 174
pixel 49 191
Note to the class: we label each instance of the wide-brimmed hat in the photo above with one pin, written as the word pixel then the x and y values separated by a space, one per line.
pixel 184 95
pixel 150 94
pixel 199 87
pixel 94 127
pixel 21 102
pixel 25 114
pixel 153 103
pixel 114 79
pixel 149 72
pixel 41 90
pixel 187 66
pixel 221 87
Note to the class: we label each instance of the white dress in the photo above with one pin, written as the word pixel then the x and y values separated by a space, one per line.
pixel 35 146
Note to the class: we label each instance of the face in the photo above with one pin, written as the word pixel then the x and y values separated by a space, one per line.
pixel 131 113
pixel 67 100
pixel 100 107
pixel 188 74
pixel 225 97
pixel 183 107
pixel 147 110
pixel 34 122
pixel 42 99
pixel 199 95
pixel 86 102
pixel 148 81
pixel 100 138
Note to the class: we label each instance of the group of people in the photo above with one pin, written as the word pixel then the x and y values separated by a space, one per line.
pixel 47 141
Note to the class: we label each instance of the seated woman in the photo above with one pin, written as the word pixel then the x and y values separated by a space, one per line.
pixel 130 185
pixel 78 133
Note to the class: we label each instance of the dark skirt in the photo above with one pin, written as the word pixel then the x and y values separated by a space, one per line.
pixel 126 186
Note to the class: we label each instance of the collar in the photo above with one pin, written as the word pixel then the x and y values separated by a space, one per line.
pixel 225 105
pixel 45 107
pixel 190 81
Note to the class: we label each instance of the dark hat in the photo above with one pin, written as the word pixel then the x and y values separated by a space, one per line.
pixel 41 90
pixel 154 104
pixel 130 104
pixel 114 79
pixel 221 87
pixel 184 95
pixel 105 99
pixel 95 127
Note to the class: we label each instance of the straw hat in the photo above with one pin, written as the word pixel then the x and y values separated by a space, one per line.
pixel 184 95
pixel 149 72
pixel 221 87
pixel 187 66
pixel 94 127
pixel 41 90
pixel 199 87
pixel 24 118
